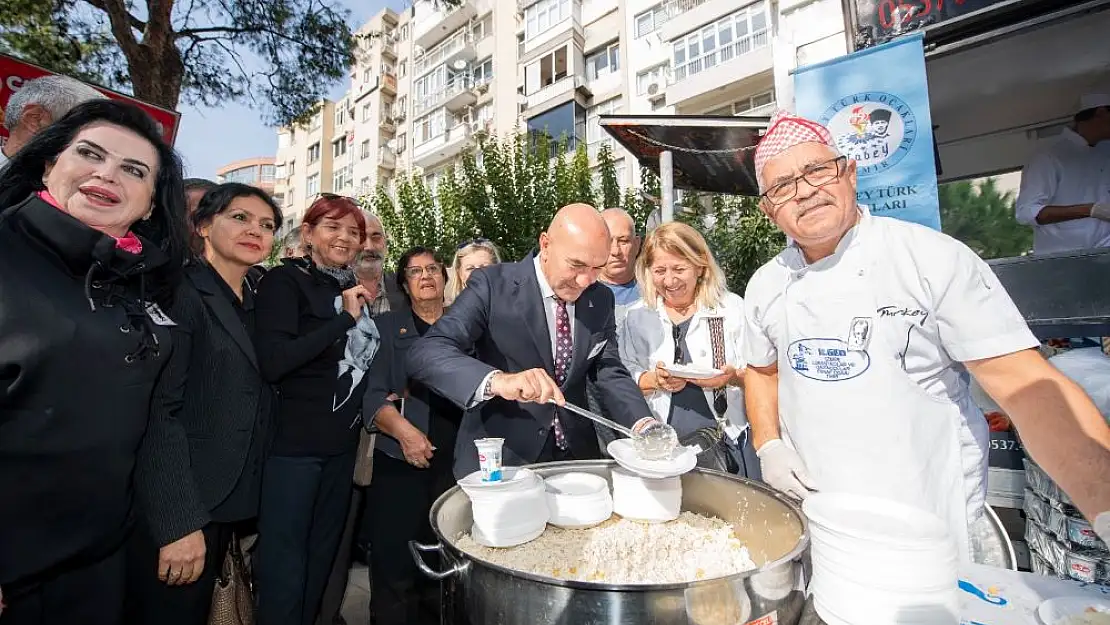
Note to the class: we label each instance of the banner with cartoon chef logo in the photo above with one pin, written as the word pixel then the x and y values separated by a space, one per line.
pixel 876 105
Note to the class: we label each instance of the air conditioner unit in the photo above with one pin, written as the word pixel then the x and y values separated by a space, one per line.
pixel 399 117
pixel 655 92
pixel 482 88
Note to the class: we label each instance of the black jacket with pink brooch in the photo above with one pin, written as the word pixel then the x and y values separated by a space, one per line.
pixel 83 341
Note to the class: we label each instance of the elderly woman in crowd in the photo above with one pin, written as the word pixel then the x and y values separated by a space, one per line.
pixel 689 318
pixel 315 341
pixel 201 463
pixel 92 242
pixel 413 460
pixel 471 255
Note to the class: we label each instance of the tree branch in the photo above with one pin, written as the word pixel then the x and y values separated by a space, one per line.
pixel 117 10
pixel 234 30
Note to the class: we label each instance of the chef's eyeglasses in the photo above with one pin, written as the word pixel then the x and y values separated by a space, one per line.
pixel 817 176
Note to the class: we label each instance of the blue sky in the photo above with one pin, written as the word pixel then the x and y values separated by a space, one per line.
pixel 211 137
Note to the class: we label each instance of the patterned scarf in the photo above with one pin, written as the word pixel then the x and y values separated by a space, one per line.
pixel 345 276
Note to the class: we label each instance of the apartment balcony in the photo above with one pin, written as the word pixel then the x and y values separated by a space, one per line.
pixel 726 66
pixel 459 46
pixel 388 47
pixel 440 21
pixel 563 90
pixel 386 124
pixel 557 31
pixel 457 94
pixel 388 83
pixel 684 16
pixel 442 148
pixel 386 158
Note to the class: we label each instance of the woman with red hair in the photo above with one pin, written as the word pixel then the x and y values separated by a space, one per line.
pixel 314 340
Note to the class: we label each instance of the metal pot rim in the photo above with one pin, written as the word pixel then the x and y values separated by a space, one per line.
pixel 793 554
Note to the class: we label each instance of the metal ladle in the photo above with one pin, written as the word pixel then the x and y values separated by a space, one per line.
pixel 656 441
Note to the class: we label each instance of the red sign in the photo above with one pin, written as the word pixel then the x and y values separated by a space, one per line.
pixel 13 73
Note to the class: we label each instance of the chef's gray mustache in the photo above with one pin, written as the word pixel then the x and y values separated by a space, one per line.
pixel 817 200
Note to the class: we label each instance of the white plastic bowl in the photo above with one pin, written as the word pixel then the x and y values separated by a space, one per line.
pixel 507 516
pixel 645 499
pixel 578 500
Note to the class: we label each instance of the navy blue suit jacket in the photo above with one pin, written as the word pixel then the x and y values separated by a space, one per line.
pixel 499 319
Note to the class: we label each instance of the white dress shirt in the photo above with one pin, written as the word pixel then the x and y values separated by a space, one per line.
pixel 1065 171
pixel 549 305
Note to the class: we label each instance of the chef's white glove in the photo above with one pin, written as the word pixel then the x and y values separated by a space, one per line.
pixel 1101 210
pixel 1102 527
pixel 784 470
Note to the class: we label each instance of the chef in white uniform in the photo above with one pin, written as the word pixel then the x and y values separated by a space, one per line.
pixel 1065 187
pixel 859 339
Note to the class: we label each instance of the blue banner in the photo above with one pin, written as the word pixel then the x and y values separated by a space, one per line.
pixel 875 103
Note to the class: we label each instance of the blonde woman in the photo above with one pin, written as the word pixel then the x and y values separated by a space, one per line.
pixel 471 255
pixel 685 299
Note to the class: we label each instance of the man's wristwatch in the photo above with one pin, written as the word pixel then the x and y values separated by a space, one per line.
pixel 487 391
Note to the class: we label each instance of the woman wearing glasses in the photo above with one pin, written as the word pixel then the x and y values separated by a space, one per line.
pixel 414 456
pixel 471 255
pixel 688 318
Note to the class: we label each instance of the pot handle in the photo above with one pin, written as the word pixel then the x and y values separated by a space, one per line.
pixel 416 548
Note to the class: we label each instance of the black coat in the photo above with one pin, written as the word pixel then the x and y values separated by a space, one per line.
pixel 215 404
pixel 499 318
pixel 79 359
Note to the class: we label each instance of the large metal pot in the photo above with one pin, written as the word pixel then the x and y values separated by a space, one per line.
pixel 475 592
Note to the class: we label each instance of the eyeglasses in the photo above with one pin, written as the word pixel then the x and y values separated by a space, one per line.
pixel 416 272
pixel 818 175
pixel 478 241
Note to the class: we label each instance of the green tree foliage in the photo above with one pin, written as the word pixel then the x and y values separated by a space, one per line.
pixel 983 218
pixel 506 190
pixel 280 54
pixel 610 191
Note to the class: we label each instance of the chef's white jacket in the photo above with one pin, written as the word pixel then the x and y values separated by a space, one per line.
pixel 968 315
pixel 1065 171
pixel 647 338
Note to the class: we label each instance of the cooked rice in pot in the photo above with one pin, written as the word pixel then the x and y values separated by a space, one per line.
pixel 620 551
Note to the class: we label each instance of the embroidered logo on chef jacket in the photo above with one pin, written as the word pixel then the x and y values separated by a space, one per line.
pixel 875 129
pixel 827 360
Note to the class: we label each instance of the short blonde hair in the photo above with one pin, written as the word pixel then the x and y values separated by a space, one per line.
pixel 456 286
pixel 686 243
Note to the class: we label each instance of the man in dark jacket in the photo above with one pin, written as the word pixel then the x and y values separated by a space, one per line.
pixel 537 329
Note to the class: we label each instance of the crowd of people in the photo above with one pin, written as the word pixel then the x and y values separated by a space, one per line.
pixel 164 396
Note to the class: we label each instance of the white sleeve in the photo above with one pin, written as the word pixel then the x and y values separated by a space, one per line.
pixel 633 352
pixel 1039 181
pixel 975 316
pixel 759 350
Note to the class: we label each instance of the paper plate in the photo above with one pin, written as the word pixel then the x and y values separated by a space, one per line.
pixel 693 372
pixel 511 478
pixel 1063 610
pixel 683 461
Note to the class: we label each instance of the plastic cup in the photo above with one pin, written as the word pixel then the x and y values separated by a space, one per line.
pixel 489 458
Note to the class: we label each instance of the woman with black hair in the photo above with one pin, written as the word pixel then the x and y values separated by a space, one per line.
pixel 200 467
pixel 415 449
pixel 92 243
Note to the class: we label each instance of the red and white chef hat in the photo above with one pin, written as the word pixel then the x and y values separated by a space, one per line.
pixel 785 131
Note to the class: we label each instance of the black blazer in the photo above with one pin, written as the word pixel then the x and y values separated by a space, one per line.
pixel 388 374
pixel 499 318
pixel 195 450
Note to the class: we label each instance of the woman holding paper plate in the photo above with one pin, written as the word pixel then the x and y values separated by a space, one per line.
pixel 683 343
